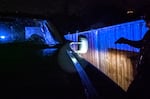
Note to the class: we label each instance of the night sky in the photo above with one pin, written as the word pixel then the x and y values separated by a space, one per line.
pixel 72 15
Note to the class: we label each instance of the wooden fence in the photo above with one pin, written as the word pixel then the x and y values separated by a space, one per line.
pixel 117 61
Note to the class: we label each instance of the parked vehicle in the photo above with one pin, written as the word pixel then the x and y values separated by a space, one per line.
pixel 37 63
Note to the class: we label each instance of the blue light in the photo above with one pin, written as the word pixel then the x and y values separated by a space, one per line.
pixel 42 31
pixel 104 38
pixel 2 37
pixel 5 33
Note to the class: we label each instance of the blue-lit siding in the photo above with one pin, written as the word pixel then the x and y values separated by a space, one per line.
pixel 115 60
pixel 108 35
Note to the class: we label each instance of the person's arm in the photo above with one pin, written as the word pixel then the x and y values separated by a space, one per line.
pixel 137 44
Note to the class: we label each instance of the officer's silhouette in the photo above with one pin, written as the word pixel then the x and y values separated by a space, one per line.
pixel 140 87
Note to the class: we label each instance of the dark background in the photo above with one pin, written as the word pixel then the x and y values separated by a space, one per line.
pixel 79 15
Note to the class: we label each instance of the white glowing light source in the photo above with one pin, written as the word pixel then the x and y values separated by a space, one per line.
pixel 2 37
pixel 130 12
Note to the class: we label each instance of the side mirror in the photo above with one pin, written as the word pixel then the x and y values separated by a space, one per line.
pixel 82 45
